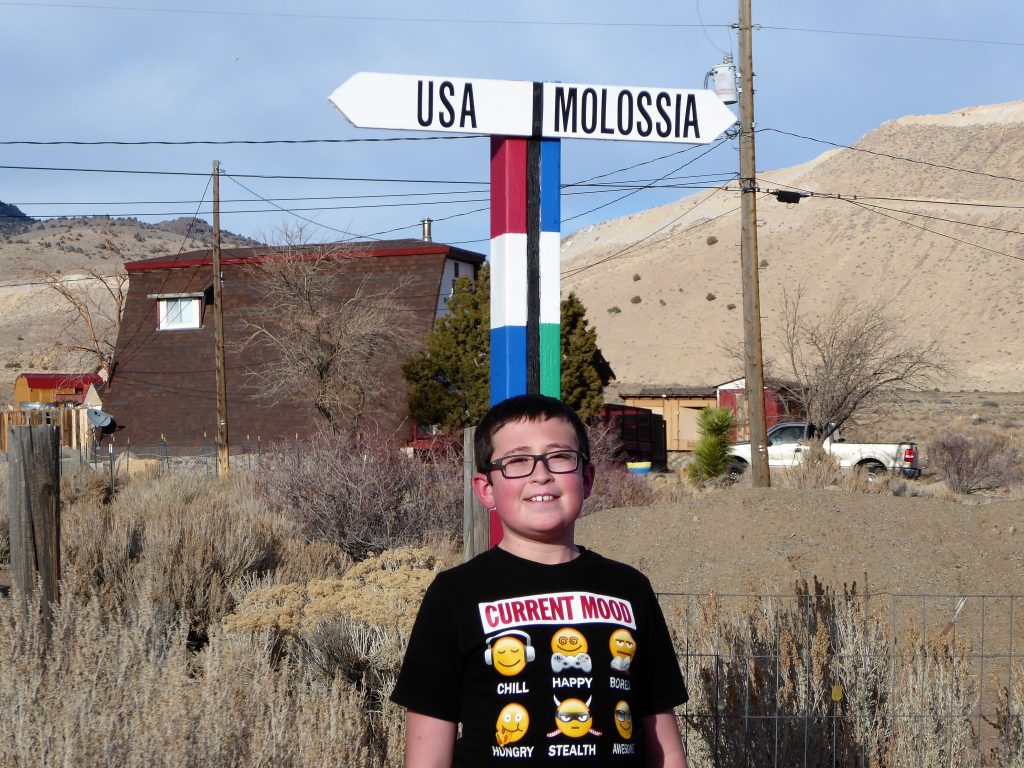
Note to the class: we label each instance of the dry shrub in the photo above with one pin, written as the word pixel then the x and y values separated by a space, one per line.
pixel 818 469
pixel 762 680
pixel 978 463
pixel 1009 721
pixel 179 542
pixel 614 486
pixel 384 590
pixel 5 523
pixel 364 493
pixel 129 692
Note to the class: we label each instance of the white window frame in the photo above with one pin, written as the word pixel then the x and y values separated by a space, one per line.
pixel 189 316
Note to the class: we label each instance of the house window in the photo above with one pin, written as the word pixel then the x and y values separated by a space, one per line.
pixel 180 312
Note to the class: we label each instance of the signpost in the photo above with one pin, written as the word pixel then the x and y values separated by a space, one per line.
pixel 526 121
pixel 511 108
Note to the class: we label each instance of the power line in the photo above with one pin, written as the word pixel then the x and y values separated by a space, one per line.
pixel 928 163
pixel 879 210
pixel 237 175
pixel 647 186
pixel 352 17
pixel 225 142
pixel 631 246
pixel 890 35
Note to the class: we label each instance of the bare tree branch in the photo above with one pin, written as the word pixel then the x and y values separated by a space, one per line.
pixel 324 333
pixel 837 365
pixel 92 305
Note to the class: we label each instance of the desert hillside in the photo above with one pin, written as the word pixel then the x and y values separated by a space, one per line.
pixel 665 308
pixel 32 324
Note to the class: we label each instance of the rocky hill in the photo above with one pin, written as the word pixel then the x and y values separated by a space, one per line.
pixel 32 323
pixel 667 307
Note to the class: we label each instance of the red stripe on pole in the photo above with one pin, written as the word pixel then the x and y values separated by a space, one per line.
pixel 508 185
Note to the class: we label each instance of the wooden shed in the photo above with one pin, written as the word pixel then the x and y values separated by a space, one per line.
pixel 53 388
pixel 678 405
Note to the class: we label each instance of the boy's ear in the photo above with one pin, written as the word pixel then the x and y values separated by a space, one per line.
pixel 588 479
pixel 483 489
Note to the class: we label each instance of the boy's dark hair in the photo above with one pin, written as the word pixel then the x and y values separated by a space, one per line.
pixel 525 408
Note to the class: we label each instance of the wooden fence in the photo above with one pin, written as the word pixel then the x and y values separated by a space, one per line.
pixel 75 431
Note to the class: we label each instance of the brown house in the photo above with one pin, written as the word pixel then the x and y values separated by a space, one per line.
pixel 164 382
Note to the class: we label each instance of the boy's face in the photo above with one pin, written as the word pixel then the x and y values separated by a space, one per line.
pixel 543 506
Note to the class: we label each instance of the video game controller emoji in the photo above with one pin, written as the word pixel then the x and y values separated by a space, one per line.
pixel 580 661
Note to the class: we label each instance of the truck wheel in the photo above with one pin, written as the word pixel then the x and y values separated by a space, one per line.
pixel 736 469
pixel 873 471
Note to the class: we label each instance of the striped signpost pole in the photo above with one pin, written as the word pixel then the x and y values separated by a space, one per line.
pixel 525 273
pixel 526 122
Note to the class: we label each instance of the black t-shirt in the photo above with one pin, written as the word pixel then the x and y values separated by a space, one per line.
pixel 541 664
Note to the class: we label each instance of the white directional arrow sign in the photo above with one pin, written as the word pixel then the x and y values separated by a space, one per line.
pixel 447 104
pixel 633 114
pixel 506 108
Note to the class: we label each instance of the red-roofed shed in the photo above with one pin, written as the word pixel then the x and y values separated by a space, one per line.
pixel 53 388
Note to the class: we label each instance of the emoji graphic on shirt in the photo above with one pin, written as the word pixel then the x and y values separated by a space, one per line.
pixel 622 646
pixel 623 720
pixel 572 718
pixel 509 652
pixel 513 721
pixel 569 651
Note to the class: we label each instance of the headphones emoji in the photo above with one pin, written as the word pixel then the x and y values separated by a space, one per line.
pixel 531 654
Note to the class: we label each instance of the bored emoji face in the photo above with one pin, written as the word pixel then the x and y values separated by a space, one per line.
pixel 622 646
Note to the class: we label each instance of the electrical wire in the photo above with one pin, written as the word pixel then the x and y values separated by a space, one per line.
pixel 226 142
pixel 351 17
pixel 710 149
pixel 631 246
pixel 927 163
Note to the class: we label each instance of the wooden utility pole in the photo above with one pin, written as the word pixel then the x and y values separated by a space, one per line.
pixel 223 463
pixel 753 361
pixel 34 499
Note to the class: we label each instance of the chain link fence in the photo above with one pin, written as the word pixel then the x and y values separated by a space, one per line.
pixel 821 678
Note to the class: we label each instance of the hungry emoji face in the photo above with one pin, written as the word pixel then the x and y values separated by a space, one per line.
pixel 623 720
pixel 509 655
pixel 513 720
pixel 622 647
pixel 573 717
pixel 568 642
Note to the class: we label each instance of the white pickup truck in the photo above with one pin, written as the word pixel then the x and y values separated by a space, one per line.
pixel 787 444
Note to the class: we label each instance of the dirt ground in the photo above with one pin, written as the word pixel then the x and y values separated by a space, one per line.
pixel 742 540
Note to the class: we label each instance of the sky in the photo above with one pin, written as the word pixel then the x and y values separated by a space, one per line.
pixel 133 71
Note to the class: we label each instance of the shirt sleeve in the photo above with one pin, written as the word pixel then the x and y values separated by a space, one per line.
pixel 429 681
pixel 660 680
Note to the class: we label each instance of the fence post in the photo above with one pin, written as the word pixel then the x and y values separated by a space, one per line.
pixel 475 519
pixel 34 509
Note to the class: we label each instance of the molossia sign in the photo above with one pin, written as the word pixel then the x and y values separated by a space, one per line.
pixel 523 108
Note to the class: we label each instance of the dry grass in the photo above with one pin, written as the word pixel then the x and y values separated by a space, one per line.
pixel 199 626
pixel 822 681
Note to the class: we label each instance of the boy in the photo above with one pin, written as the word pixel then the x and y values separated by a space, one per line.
pixel 545 652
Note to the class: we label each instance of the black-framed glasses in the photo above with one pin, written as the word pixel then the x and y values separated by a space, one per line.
pixel 557 462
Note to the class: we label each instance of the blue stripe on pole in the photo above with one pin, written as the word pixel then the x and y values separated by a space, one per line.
pixel 508 362
pixel 550 185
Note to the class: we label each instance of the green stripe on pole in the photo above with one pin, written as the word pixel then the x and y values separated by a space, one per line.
pixel 550 360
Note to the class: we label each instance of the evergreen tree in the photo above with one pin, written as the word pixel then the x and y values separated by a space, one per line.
pixel 711 456
pixel 585 372
pixel 448 380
